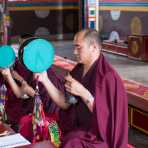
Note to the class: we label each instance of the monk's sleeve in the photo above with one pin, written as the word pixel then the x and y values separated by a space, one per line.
pixel 57 80
pixel 111 111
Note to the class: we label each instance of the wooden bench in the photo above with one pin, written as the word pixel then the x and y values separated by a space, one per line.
pixel 118 48
pixel 138 105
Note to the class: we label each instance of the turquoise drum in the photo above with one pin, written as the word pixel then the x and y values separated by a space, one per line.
pixel 7 56
pixel 21 48
pixel 36 54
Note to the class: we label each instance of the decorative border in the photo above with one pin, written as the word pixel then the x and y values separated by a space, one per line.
pixel 124 6
pixel 44 6
pixel 134 9
pixel 121 1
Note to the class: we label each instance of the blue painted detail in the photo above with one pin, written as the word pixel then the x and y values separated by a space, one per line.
pixel 54 4
pixel 92 24
pixel 137 4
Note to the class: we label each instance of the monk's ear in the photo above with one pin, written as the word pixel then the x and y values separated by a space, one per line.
pixel 94 45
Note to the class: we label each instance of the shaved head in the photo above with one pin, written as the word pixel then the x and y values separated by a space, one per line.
pixel 90 36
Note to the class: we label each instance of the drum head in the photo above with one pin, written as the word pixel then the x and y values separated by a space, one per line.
pixel 38 55
pixel 7 56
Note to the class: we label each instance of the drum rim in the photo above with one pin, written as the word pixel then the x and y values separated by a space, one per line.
pixel 21 49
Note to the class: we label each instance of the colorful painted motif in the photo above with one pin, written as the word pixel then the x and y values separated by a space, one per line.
pixel 3 99
pixel 44 129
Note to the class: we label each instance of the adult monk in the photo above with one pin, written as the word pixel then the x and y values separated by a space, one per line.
pixel 99 118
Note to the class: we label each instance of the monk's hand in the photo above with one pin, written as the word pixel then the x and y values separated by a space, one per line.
pixel 73 86
pixel 5 72
pixel 41 77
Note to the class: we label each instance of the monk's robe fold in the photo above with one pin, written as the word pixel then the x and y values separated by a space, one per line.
pixel 107 125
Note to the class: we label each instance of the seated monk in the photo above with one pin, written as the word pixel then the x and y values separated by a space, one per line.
pixel 13 104
pixel 98 118
pixel 23 85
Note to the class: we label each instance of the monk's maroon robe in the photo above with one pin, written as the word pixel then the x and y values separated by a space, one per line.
pixel 13 104
pixel 16 108
pixel 107 125
pixel 50 108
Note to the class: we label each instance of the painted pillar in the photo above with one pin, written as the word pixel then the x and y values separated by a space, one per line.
pixel 83 14
pixel 5 22
pixel 93 14
pixel 60 33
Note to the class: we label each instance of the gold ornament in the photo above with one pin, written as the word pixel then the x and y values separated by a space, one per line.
pixel 134 48
pixel 136 26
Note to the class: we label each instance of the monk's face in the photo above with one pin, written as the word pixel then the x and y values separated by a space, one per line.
pixel 81 49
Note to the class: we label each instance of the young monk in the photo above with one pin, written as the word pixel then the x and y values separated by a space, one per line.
pixel 21 94
pixel 21 91
pixel 14 103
